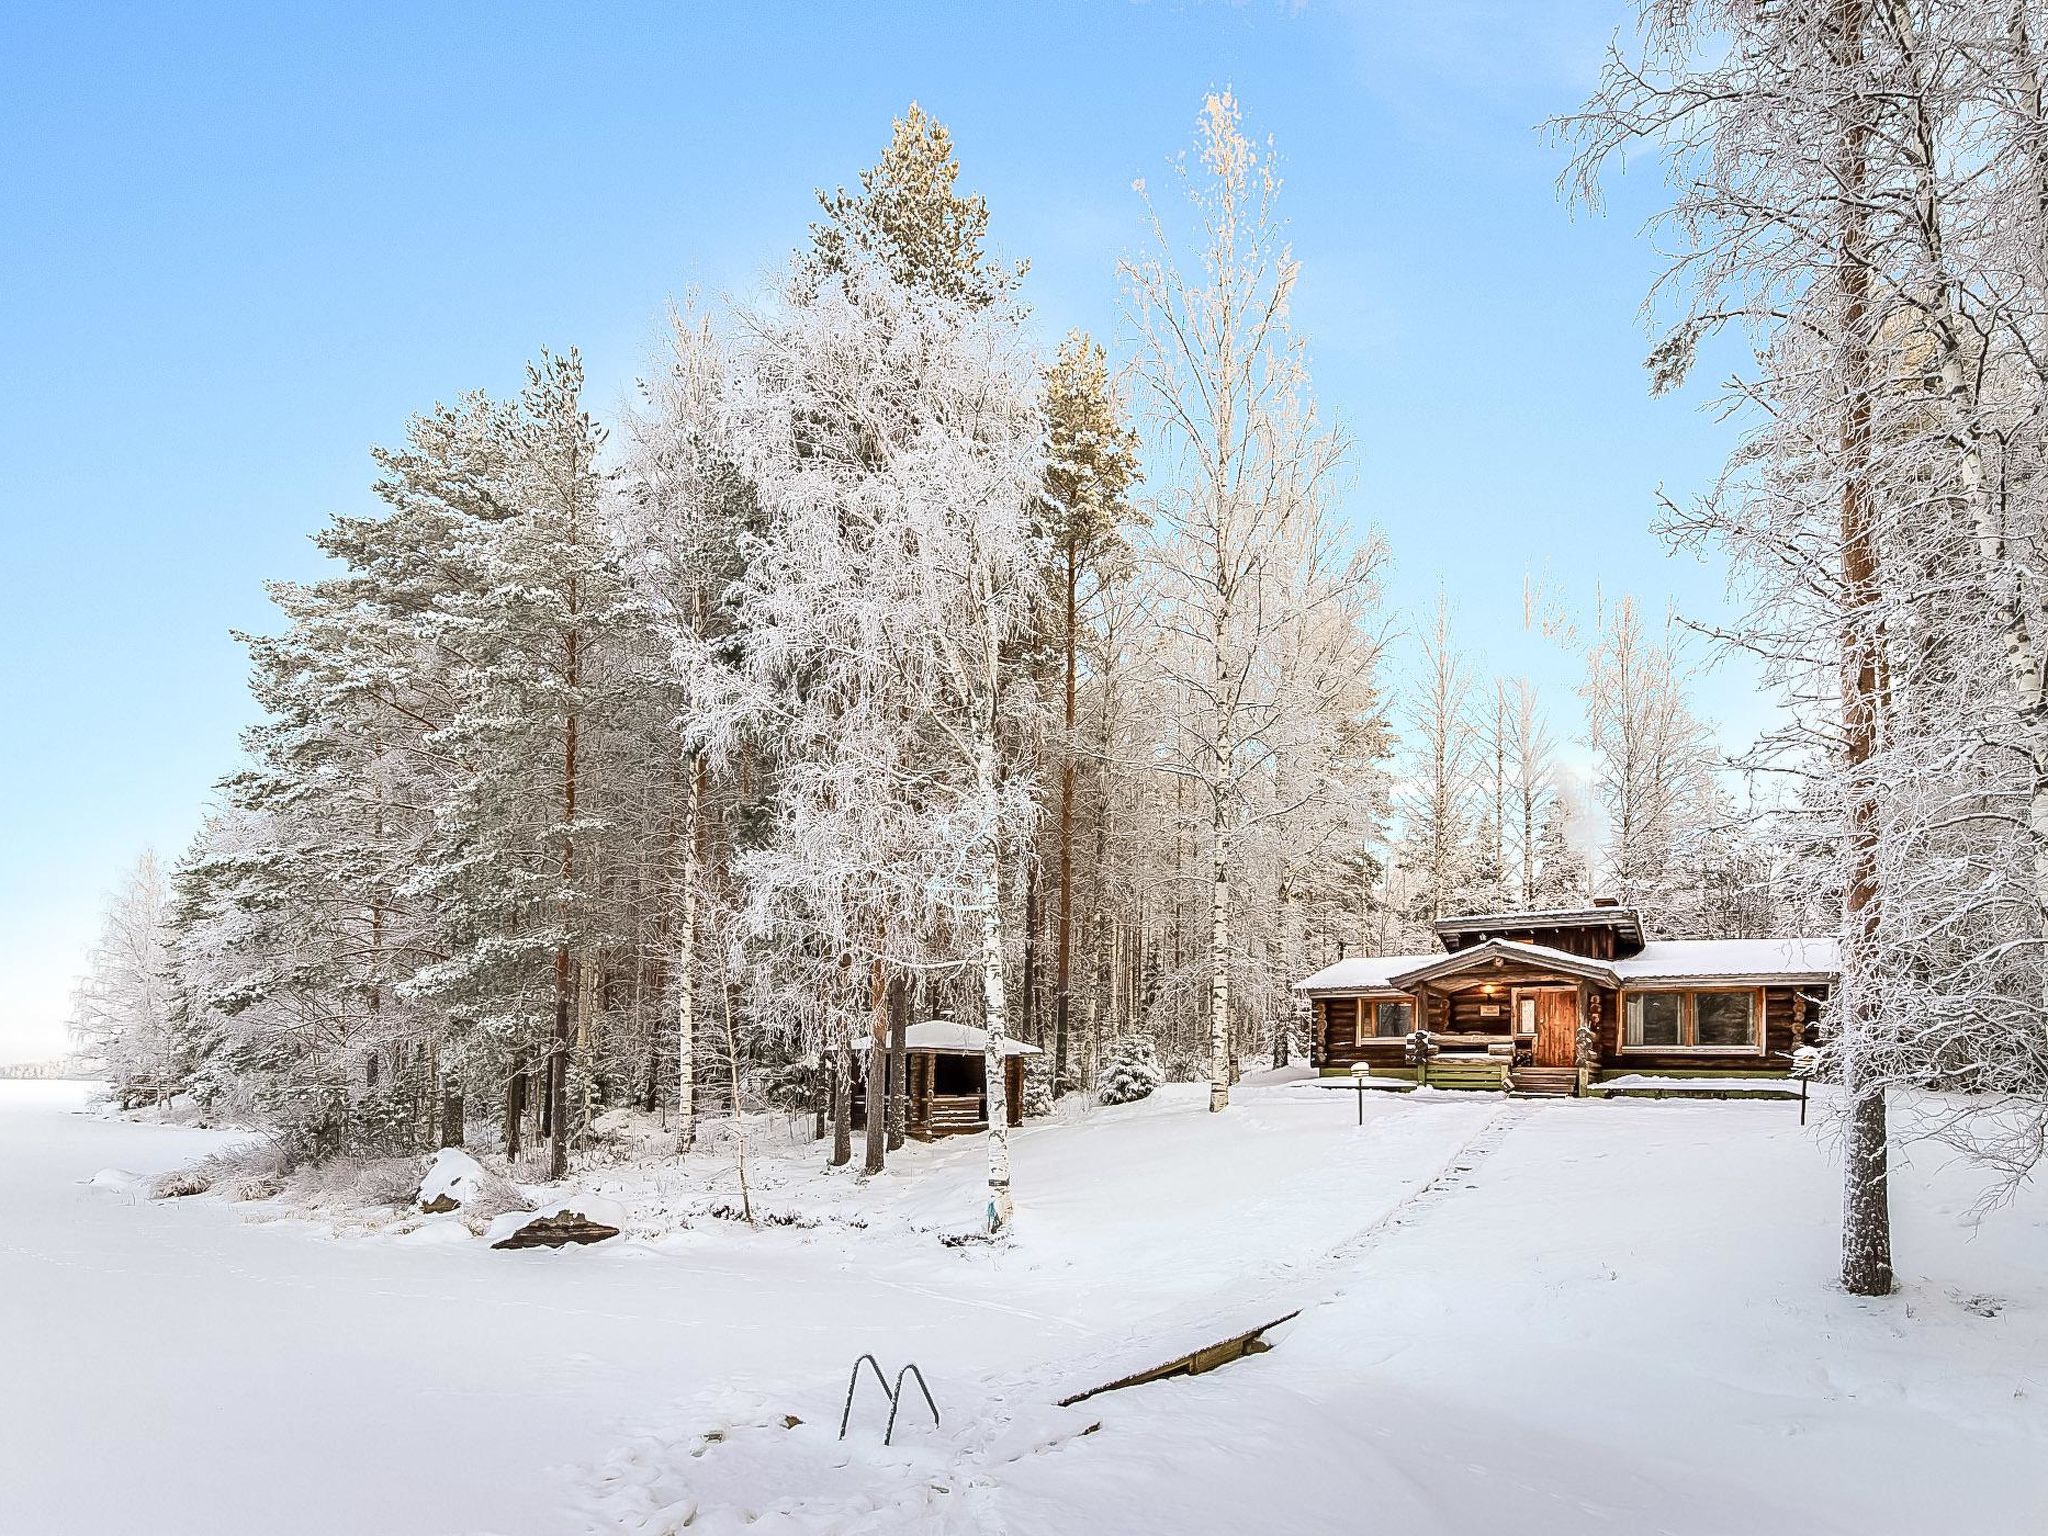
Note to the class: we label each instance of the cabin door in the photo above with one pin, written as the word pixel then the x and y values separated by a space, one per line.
pixel 1554 1011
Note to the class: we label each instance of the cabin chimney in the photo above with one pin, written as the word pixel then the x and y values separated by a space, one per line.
pixel 1606 901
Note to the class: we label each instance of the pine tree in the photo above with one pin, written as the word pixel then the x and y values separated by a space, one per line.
pixel 1131 1072
pixel 910 216
pixel 1091 467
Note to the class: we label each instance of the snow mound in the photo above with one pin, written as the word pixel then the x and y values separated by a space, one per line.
pixel 454 1179
pixel 118 1181
pixel 434 1233
pixel 572 1219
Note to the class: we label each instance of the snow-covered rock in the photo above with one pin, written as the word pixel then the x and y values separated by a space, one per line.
pixel 454 1179
pixel 118 1181
pixel 572 1219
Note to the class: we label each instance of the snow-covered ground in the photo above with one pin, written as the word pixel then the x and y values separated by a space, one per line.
pixel 1526 1316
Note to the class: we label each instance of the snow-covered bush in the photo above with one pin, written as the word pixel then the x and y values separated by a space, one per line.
pixel 1132 1071
pixel 246 1171
pixel 494 1197
pixel 386 1181
pixel 1037 1085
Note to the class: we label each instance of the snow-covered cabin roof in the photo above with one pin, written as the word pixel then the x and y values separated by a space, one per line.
pixel 1363 973
pixel 1732 960
pixel 1689 961
pixel 949 1037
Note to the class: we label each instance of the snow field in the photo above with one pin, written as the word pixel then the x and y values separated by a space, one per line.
pixel 1529 1317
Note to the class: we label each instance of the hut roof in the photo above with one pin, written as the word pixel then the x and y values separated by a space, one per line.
pixel 948 1037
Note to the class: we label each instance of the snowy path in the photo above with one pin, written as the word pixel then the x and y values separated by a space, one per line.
pixel 177 1368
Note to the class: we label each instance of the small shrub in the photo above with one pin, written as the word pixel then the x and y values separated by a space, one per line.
pixel 386 1181
pixel 1132 1071
pixel 227 1172
pixel 495 1196
pixel 181 1182
pixel 260 1186
pixel 1037 1085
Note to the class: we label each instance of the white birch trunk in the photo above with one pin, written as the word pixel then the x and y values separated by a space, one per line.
pixel 686 975
pixel 1219 972
pixel 995 999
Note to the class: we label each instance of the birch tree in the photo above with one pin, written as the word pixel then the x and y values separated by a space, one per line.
pixel 1244 464
pixel 122 1007
pixel 893 441
pixel 1438 804
pixel 1653 758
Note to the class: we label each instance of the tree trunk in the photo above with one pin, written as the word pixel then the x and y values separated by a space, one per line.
pixel 1219 974
pixel 1062 1002
pixel 995 1002
pixel 515 1104
pixel 899 1061
pixel 1283 1026
pixel 451 1115
pixel 878 1070
pixel 1028 1001
pixel 842 1102
pixel 686 967
pixel 558 1054
pixel 558 1073
pixel 1866 1209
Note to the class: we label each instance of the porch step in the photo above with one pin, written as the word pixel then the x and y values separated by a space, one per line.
pixel 1545 1082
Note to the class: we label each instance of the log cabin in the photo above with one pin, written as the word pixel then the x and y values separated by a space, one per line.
pixel 947 1066
pixel 1555 1002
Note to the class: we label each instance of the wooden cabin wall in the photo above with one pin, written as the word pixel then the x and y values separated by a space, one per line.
pixel 1336 1027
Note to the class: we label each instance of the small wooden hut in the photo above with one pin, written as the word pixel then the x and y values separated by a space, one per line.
pixel 947 1064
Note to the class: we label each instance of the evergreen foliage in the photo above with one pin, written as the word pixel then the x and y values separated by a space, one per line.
pixel 1131 1071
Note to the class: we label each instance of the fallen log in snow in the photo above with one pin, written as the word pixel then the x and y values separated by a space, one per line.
pixel 1194 1363
pixel 574 1219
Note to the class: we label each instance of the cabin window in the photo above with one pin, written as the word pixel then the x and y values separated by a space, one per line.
pixel 1706 1021
pixel 1724 1019
pixel 1656 1018
pixel 1378 1019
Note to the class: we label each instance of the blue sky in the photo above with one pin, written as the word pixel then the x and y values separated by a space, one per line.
pixel 244 243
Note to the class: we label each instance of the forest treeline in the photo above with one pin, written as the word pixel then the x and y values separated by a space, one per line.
pixel 876 666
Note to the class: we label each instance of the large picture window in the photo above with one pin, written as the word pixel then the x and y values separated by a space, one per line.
pixel 1724 1020
pixel 1688 1021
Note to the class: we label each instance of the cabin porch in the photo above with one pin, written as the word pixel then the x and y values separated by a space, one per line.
pixel 1526 1028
